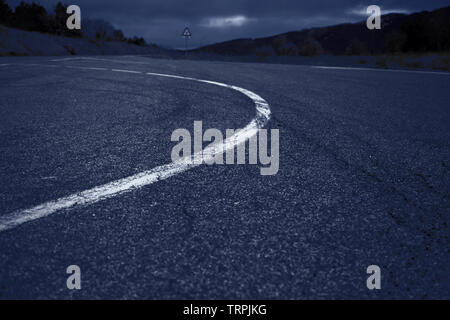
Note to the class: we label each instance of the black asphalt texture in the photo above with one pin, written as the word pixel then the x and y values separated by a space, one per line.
pixel 363 180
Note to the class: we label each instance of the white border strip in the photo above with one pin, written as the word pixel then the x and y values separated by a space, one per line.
pixel 115 188
pixel 381 70
pixel 85 59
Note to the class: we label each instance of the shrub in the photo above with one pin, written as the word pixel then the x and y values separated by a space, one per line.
pixel 310 48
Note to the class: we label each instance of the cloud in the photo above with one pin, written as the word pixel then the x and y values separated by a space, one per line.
pixel 362 11
pixel 162 21
pixel 226 22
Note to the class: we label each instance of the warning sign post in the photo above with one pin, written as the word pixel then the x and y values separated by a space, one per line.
pixel 186 35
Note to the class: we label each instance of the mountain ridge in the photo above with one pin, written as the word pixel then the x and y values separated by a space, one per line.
pixel 417 32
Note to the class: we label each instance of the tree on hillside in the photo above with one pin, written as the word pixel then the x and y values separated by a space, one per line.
pixel 421 34
pixel 356 48
pixel 118 35
pixel 310 48
pixel 395 42
pixel 98 29
pixel 60 20
pixel 5 13
pixel 31 17
pixel 279 44
pixel 137 41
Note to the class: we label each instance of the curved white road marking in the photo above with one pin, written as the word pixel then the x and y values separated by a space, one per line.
pixel 145 178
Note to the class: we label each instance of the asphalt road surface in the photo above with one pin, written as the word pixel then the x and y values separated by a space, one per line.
pixel 363 180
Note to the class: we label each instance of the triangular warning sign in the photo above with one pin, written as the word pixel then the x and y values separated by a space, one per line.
pixel 187 33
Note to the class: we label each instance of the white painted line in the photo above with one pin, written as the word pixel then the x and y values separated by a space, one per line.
pixel 40 65
pixel 126 71
pixel 94 68
pixel 86 68
pixel 340 68
pixel 110 60
pixel 385 70
pixel 66 59
pixel 112 189
pixel 171 76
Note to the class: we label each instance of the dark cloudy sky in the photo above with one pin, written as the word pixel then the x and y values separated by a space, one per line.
pixel 162 21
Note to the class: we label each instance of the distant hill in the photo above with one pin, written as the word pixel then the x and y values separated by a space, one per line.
pixel 419 32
